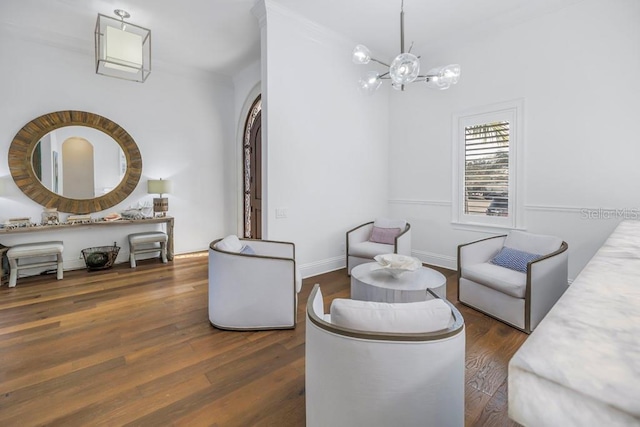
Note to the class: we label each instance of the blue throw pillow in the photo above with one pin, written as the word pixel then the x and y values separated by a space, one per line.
pixel 514 259
pixel 247 250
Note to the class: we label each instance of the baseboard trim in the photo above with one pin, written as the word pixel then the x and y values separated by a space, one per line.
pixel 436 259
pixel 315 268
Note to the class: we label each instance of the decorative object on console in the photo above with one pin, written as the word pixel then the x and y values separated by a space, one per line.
pixel 159 186
pixel 79 219
pixel 18 223
pixel 123 50
pixel 133 214
pixel 113 216
pixel 396 264
pixel 405 68
pixel 50 216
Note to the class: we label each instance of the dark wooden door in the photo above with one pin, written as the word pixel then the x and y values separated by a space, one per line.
pixel 255 189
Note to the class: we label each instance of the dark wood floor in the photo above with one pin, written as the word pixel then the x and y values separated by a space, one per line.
pixel 134 347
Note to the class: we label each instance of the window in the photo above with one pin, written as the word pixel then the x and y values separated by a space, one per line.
pixel 487 184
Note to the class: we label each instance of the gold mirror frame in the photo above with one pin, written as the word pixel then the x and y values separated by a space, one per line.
pixel 25 141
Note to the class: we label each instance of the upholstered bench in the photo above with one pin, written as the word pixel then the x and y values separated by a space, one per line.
pixel 145 239
pixel 30 250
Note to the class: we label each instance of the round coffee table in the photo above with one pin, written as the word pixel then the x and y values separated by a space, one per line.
pixel 369 282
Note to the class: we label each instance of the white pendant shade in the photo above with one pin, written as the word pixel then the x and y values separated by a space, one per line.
pixel 123 50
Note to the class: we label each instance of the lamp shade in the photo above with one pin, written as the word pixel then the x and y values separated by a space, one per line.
pixel 158 186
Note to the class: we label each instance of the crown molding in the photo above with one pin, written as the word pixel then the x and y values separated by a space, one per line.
pixel 259 10
pixel 49 38
pixel 315 29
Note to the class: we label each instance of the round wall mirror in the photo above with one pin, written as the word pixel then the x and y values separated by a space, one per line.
pixel 75 161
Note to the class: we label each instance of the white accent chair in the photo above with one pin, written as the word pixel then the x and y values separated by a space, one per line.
pixel 367 378
pixel 360 250
pixel 513 297
pixel 253 291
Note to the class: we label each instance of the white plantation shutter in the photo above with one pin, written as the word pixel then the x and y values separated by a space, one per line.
pixel 486 172
pixel 488 164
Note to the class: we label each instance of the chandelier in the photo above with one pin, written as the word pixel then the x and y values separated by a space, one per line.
pixel 405 68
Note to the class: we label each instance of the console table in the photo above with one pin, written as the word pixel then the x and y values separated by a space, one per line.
pixel 60 227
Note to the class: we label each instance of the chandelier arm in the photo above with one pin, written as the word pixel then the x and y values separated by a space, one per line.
pixel 402 27
pixel 379 62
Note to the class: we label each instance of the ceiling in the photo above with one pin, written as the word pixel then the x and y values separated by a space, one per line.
pixel 222 36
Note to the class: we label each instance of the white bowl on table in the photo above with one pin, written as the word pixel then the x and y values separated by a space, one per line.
pixel 396 264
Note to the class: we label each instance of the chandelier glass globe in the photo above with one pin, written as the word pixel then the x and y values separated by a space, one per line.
pixel 361 55
pixel 405 68
pixel 370 82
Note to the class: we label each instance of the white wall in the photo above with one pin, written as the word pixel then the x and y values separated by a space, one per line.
pixel 326 144
pixel 577 71
pixel 179 118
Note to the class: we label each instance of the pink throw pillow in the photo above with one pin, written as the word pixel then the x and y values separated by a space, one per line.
pixel 384 235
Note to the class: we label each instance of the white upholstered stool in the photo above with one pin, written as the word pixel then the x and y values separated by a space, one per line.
pixel 30 250
pixel 150 237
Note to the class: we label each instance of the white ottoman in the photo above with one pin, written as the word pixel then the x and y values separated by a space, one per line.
pixel 146 238
pixel 31 250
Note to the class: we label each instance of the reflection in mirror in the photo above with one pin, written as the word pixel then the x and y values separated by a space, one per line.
pixel 78 162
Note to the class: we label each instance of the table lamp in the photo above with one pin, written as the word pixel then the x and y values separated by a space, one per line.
pixel 160 204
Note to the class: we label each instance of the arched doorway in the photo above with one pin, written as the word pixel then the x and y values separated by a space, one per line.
pixel 78 167
pixel 252 171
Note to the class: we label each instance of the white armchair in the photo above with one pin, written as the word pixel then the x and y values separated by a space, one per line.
pixel 364 378
pixel 520 299
pixel 253 291
pixel 360 248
